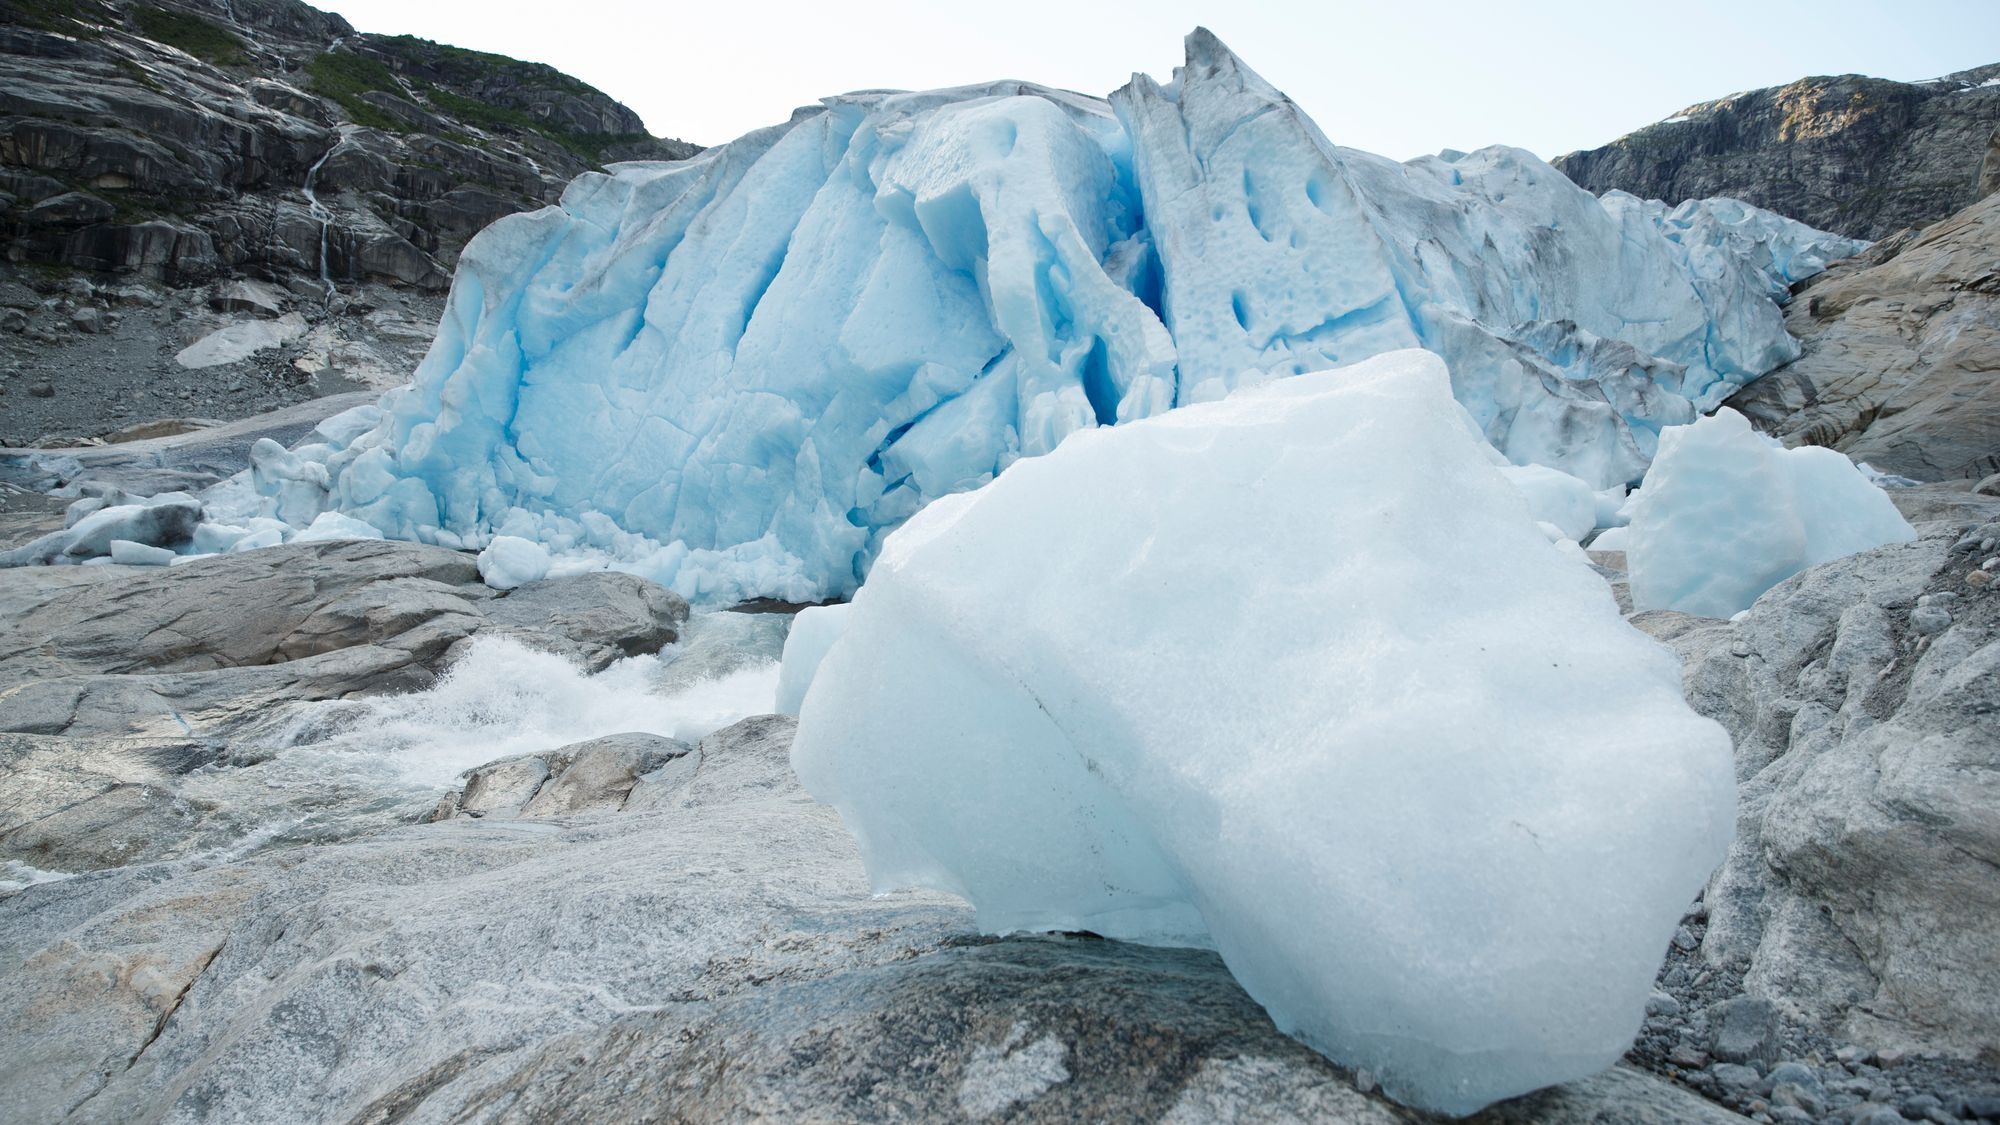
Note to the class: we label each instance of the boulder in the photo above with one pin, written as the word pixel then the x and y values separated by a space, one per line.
pixel 1861 890
pixel 206 645
pixel 599 774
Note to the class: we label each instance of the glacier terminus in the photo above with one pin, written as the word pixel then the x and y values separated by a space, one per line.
pixel 735 374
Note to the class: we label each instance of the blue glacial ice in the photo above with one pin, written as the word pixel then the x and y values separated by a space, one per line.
pixel 737 373
pixel 1440 819
pixel 1727 513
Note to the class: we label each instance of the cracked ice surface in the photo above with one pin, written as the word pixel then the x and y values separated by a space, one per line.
pixel 736 373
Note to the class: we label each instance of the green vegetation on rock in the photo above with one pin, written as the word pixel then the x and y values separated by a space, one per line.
pixel 66 17
pixel 344 76
pixel 462 67
pixel 209 42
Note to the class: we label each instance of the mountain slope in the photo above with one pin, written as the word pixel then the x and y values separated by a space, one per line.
pixel 174 169
pixel 178 140
pixel 1865 157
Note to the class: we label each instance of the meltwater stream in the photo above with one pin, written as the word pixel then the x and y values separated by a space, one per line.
pixel 335 770
pixel 323 214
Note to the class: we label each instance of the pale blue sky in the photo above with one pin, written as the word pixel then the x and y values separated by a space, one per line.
pixel 1401 79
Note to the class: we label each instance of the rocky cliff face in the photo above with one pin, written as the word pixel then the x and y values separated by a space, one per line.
pixel 1865 157
pixel 1902 345
pixel 154 155
pixel 189 141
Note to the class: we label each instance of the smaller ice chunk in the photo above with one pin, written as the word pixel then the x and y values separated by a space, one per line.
pixel 1555 497
pixel 125 552
pixel 1727 513
pixel 163 521
pixel 333 525
pixel 213 538
pixel 340 430
pixel 1611 506
pixel 814 630
pixel 258 539
pixel 1611 539
pixel 511 561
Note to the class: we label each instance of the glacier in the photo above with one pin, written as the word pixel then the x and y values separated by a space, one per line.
pixel 737 373
pixel 1403 765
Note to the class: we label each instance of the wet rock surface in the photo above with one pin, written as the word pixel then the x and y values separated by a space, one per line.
pixel 120 686
pixel 634 770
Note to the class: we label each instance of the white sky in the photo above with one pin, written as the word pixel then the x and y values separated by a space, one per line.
pixel 1401 79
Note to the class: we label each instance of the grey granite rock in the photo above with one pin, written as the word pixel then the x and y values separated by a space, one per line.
pixel 1860 892
pixel 716 957
pixel 600 774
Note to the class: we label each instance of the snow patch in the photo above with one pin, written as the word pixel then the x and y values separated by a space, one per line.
pixel 241 340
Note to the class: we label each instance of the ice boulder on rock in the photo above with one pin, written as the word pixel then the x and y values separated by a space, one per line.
pixel 1727 513
pixel 1293 675
pixel 511 561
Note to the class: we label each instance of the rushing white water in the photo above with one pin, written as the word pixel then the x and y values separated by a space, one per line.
pixel 339 769
pixel 503 699
pixel 17 876
pixel 319 211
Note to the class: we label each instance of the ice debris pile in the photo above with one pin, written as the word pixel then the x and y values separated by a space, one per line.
pixel 736 373
pixel 1441 820
pixel 1727 513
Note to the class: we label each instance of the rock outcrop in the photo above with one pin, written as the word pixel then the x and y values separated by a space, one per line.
pixel 117 683
pixel 1901 361
pixel 202 138
pixel 210 208
pixel 619 771
pixel 1866 157
pixel 1864 699
pixel 717 956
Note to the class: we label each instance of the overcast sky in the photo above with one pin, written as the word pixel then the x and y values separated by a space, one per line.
pixel 1398 78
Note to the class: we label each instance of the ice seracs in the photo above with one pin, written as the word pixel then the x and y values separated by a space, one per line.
pixel 1400 762
pixel 736 373
pixel 1727 513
